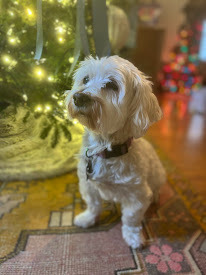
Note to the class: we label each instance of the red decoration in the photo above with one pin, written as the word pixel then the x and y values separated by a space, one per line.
pixel 179 75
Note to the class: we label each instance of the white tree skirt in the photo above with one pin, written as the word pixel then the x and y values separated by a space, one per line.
pixel 25 156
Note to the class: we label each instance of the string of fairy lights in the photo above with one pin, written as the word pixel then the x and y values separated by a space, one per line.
pixel 180 73
pixel 61 30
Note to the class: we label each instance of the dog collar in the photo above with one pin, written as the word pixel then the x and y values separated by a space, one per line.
pixel 117 150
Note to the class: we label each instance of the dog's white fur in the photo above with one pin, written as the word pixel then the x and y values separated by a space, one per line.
pixel 133 179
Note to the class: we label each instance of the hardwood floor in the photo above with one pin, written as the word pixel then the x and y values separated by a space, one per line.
pixel 183 137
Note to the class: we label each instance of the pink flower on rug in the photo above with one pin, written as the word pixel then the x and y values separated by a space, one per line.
pixel 164 258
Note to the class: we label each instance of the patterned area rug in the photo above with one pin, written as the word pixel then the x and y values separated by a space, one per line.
pixel 37 235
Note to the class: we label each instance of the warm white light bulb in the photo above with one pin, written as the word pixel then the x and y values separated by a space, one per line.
pixel 25 97
pixel 71 59
pixel 10 30
pixel 61 40
pixel 50 78
pixel 38 108
pixel 47 108
pixel 29 11
pixel 54 96
pixel 6 59
pixel 39 72
pixel 60 29
pixel 13 40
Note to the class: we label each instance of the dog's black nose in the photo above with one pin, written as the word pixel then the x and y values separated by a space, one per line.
pixel 81 99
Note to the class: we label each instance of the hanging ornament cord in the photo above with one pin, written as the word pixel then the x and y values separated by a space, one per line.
pixel 82 27
pixel 81 41
pixel 100 27
pixel 39 37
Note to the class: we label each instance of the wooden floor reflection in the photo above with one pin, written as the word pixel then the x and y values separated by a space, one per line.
pixel 183 137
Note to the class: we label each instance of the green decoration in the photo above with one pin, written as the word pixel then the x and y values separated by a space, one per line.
pixel 45 131
pixel 55 138
pixel 25 119
pixel 67 134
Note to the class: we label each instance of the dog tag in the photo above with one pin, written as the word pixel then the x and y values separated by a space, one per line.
pixel 89 169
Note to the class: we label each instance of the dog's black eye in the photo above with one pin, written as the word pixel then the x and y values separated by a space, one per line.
pixel 86 79
pixel 112 85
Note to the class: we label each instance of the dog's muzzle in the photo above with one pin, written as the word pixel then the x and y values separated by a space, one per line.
pixel 81 99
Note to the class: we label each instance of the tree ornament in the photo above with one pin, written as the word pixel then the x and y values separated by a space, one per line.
pixel 118 27
pixel 148 14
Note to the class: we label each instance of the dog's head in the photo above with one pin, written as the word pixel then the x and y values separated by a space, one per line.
pixel 110 94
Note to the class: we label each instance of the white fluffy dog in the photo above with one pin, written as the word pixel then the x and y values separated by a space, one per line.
pixel 114 100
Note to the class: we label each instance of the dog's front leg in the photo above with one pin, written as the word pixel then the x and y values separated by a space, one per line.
pixel 93 201
pixel 132 216
pixel 91 197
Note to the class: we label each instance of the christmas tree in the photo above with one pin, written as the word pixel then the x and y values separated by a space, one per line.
pixel 22 78
pixel 38 85
pixel 180 73
pixel 36 138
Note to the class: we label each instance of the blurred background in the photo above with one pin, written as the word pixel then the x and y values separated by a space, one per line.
pixel 41 45
pixel 165 39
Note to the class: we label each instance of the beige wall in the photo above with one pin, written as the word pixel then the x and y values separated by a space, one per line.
pixel 170 19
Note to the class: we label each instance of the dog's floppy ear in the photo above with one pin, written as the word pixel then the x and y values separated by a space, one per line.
pixel 144 106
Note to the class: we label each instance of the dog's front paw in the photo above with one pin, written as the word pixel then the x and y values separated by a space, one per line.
pixel 132 236
pixel 85 219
